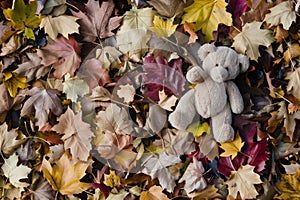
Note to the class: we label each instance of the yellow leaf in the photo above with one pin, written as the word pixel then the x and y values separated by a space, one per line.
pixel 281 14
pixel 13 82
pixel 62 24
pixel 199 128
pixel 290 186
pixel 112 180
pixel 22 16
pixel 207 14
pixel 232 148
pixel 243 181
pixel 163 28
pixel 66 174
pixel 154 193
pixel 248 41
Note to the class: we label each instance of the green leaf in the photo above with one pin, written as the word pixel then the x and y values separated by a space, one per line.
pixel 198 128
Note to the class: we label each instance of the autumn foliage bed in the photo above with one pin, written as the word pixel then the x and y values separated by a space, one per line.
pixel 87 87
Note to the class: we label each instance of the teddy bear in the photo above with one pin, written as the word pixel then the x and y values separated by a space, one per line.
pixel 214 95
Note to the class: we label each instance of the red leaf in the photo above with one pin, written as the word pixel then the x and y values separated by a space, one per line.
pixel 160 74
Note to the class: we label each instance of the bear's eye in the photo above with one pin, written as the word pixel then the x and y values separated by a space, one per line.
pixel 226 68
pixel 217 65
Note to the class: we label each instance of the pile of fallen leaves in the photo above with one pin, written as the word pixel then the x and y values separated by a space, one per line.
pixel 87 87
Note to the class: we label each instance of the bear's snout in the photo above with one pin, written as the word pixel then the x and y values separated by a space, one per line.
pixel 219 74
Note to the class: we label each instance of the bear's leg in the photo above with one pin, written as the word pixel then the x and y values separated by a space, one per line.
pixel 185 111
pixel 221 125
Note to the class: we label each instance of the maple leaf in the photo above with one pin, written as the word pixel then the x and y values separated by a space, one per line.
pixel 43 101
pixel 14 172
pixel 289 119
pixel 237 8
pixel 161 75
pixel 163 27
pixel 109 56
pixel 154 193
pixel 133 35
pixel 208 146
pixel 8 139
pixel 243 181
pixel 13 82
pixel 156 167
pixel 253 153
pixel 97 23
pixel 32 68
pixel 292 52
pixel 23 17
pixel 126 92
pixel 93 74
pixel 232 148
pixel 166 102
pixel 112 180
pixel 210 192
pixel 289 186
pixel 248 41
pixel 168 8
pixel 115 120
pixel 294 82
pixel 62 24
pixel 62 55
pixel 207 15
pixel 77 134
pixel 65 175
pixel 74 87
pixel 157 118
pixel 198 128
pixel 11 46
pixel 40 188
pixel 193 177
pixel 281 14
pixel 259 8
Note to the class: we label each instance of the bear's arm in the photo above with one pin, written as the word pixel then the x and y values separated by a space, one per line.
pixel 235 97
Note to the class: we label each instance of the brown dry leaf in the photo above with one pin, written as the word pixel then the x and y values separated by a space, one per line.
pixel 77 134
pixel 190 28
pixel 9 139
pixel 62 55
pixel 93 73
pixel 13 44
pixel 97 22
pixel 42 101
pixel 292 52
pixel 259 8
pixel 126 92
pixel 75 88
pixel 280 35
pixel 289 119
pixel 243 181
pixel 168 8
pixel 210 192
pixel 114 120
pixel 32 68
pixel 193 177
pixel 154 193
pixel 40 189
pixel 293 86
pixel 65 175
pixel 208 146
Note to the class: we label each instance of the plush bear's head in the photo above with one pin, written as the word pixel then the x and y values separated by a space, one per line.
pixel 222 63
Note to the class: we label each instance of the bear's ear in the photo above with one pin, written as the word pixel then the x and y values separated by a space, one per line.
pixel 205 49
pixel 244 62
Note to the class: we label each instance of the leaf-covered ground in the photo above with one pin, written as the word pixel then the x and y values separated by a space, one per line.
pixel 87 87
